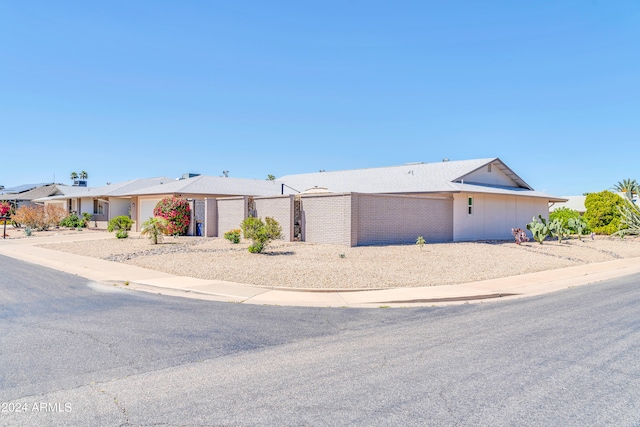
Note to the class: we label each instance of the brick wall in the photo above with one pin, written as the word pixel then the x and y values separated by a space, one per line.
pixel 210 217
pixel 327 219
pixel 391 219
pixel 231 212
pixel 279 208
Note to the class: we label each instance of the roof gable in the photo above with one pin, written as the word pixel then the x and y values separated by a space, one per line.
pixel 494 173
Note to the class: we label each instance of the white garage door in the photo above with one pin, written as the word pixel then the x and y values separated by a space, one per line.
pixel 146 208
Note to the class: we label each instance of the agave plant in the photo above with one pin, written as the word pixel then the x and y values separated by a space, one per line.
pixel 630 219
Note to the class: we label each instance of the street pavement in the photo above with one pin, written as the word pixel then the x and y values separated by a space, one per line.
pixel 79 352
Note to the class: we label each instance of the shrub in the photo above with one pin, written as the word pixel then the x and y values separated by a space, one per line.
pixel 39 217
pixel 154 228
pixel 5 209
pixel 420 241
pixel 564 214
pixel 72 221
pixel 177 212
pixel 261 233
pixel 86 217
pixel 233 235
pixel 603 212
pixel 121 224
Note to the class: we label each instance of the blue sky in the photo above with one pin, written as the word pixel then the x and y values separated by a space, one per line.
pixel 126 89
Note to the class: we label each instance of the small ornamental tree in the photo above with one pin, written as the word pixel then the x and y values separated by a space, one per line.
pixel 154 228
pixel 177 212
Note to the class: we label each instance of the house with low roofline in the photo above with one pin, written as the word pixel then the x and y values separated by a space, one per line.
pixel 103 203
pixel 27 194
pixel 467 200
pixel 198 189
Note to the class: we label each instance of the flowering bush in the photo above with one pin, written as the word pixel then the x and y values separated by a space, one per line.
pixel 5 208
pixel 177 212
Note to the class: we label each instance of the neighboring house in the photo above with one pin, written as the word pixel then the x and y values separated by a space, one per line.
pixel 105 202
pixel 24 195
pixel 575 203
pixel 197 188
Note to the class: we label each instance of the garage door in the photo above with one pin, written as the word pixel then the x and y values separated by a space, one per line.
pixel 146 208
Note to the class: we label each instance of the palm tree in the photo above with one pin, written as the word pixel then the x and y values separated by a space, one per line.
pixel 629 187
pixel 74 176
pixel 154 228
pixel 84 175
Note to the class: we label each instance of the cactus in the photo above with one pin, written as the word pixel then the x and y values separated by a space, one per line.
pixel 557 229
pixel 577 225
pixel 539 229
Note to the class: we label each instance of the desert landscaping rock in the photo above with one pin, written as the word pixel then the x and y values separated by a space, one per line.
pixel 306 265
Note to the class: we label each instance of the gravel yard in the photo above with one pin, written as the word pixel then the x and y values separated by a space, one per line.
pixel 306 265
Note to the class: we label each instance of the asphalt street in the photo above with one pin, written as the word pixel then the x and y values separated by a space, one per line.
pixel 74 352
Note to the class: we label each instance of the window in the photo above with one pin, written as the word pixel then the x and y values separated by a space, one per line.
pixel 470 206
pixel 489 168
pixel 98 207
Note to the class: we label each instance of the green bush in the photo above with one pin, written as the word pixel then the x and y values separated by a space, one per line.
pixel 73 221
pixel 603 212
pixel 121 224
pixel 86 217
pixel 233 235
pixel 564 214
pixel 261 233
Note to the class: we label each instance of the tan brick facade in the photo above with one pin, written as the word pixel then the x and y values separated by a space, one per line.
pixel 279 208
pixel 211 217
pixel 231 212
pixel 387 219
pixel 327 219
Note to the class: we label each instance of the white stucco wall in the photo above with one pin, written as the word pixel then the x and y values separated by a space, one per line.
pixel 495 177
pixel 493 215
pixel 119 207
pixel 86 205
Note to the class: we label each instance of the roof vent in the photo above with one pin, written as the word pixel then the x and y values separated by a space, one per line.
pixel 445 160
pixel 226 174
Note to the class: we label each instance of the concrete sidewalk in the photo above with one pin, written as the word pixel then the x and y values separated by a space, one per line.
pixel 137 278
